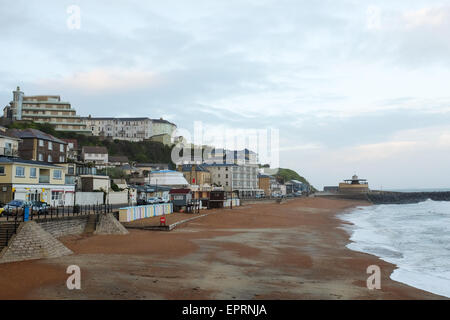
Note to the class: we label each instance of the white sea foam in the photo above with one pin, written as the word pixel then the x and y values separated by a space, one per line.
pixel 415 237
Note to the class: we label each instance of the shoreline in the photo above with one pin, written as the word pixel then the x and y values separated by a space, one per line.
pixel 295 250
pixel 421 285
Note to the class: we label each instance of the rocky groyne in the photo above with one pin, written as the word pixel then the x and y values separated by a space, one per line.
pixel 406 197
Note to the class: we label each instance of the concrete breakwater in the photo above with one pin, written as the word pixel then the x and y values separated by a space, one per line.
pixel 406 197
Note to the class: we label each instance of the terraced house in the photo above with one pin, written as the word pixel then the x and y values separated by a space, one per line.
pixel 40 146
pixel 33 181
pixel 44 109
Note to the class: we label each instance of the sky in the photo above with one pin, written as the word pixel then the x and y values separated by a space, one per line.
pixel 351 86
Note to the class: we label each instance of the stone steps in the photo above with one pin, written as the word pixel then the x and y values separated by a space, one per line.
pixel 6 232
pixel 91 224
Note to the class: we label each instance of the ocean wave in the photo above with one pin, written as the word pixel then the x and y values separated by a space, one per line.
pixel 415 237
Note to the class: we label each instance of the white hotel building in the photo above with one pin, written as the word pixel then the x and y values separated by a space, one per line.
pixel 131 129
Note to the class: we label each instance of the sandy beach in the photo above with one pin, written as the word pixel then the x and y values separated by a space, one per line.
pixel 293 250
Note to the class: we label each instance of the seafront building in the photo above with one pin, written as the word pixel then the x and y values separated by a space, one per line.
pixel 44 109
pixel 131 129
pixel 354 185
pixel 34 181
pixel 238 178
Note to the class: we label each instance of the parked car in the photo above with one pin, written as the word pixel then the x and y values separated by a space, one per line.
pixel 15 207
pixel 40 207
pixel 152 200
pixel 141 202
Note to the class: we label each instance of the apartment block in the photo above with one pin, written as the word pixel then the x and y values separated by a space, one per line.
pixel 44 109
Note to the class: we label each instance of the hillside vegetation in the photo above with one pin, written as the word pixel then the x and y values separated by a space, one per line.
pixel 144 151
pixel 285 175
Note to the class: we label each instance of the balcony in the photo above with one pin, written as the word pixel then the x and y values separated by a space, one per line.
pixel 9 152
pixel 44 179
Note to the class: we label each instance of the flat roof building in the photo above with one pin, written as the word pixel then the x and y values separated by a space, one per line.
pixel 44 109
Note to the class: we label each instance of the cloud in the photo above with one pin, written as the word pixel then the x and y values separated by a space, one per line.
pixel 435 17
pixel 101 81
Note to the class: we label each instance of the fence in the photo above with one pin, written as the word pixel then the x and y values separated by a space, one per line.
pixel 17 214
pixel 140 212
pixel 11 218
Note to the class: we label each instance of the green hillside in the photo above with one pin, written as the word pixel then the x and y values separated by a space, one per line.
pixel 144 151
pixel 285 175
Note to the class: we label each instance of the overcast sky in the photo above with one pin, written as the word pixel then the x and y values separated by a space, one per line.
pixel 353 86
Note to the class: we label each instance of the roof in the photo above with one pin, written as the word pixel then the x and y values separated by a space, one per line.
pixel 120 119
pixel 163 121
pixel 168 178
pixel 296 181
pixel 263 175
pixel 19 160
pixel 182 191
pixel 30 133
pixel 127 167
pixel 74 141
pixel 118 159
pixel 95 149
pixel 151 165
pixel 188 168
pixel 7 134
pixel 219 165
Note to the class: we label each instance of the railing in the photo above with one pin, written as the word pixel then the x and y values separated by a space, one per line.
pixel 54 212
pixel 44 179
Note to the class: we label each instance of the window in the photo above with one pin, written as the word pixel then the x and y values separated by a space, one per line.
pixel 57 174
pixel 49 159
pixel 61 158
pixel 41 157
pixel 50 145
pixel 56 195
pixel 2 170
pixel 61 148
pixel 41 143
pixel 20 172
pixel 32 172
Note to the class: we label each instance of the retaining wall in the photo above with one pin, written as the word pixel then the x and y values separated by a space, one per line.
pixel 64 226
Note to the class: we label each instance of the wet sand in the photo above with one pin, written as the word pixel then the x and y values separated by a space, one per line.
pixel 293 250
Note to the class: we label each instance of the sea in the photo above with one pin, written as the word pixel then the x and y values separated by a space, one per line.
pixel 415 237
